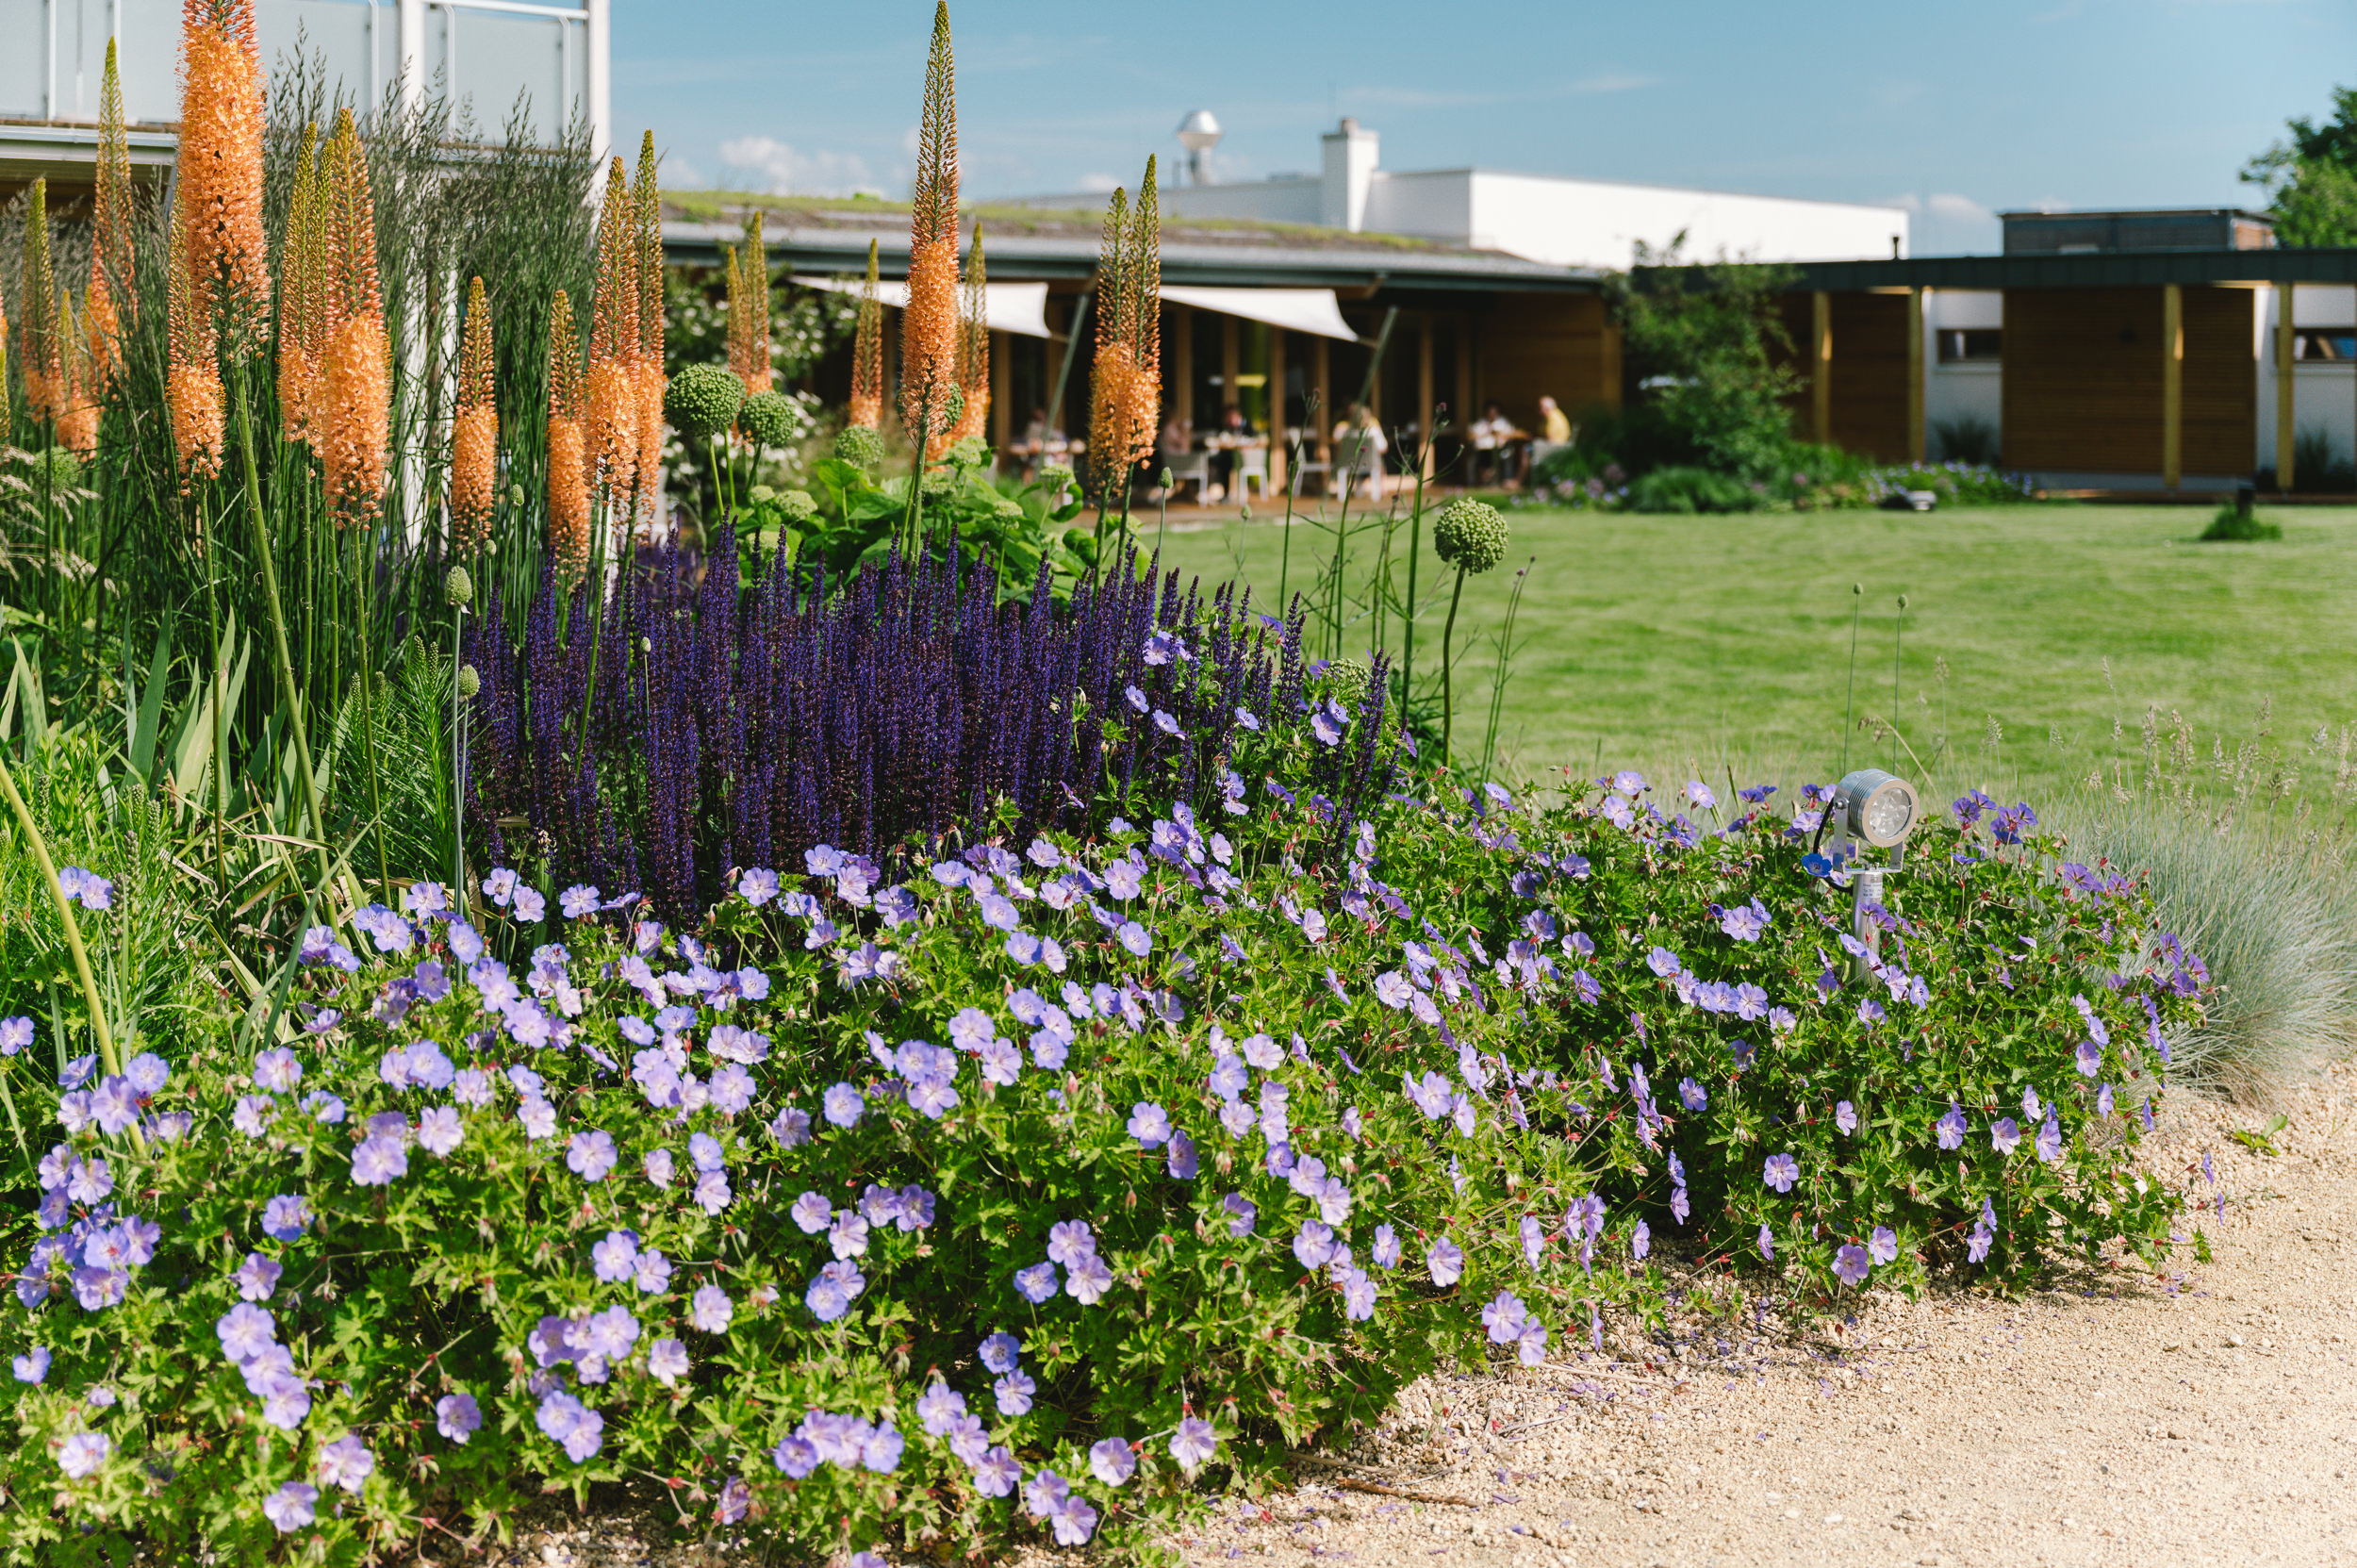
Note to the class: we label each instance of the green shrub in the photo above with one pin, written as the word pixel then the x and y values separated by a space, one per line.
pixel 746 1210
pixel 2233 524
pixel 1692 490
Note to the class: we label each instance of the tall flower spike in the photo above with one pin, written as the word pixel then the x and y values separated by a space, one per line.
pixel 192 389
pixel 351 402
pixel 866 409
pixel 610 436
pixel 929 328
pixel 973 347
pixel 77 409
pixel 568 477
pixel 302 280
pixel 1125 388
pixel 1116 365
pixel 8 416
pixel 111 233
pixel 474 431
pixel 219 174
pixel 38 300
pixel 748 309
pixel 648 199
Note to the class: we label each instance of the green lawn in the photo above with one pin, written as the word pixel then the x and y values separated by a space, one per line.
pixel 1665 640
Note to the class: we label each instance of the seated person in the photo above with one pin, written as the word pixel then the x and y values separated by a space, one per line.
pixel 1359 449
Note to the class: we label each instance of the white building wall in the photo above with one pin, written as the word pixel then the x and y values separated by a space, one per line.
pixel 1956 392
pixel 2324 392
pixel 1438 204
pixel 1598 224
pixel 1293 200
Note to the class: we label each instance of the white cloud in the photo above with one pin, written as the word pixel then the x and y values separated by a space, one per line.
pixel 679 174
pixel 1101 185
pixel 1958 209
pixel 783 170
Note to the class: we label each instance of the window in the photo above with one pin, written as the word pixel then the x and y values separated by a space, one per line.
pixel 1971 345
pixel 2326 342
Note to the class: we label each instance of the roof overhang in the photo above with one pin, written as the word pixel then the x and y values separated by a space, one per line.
pixel 1018 307
pixel 1356 270
pixel 2086 270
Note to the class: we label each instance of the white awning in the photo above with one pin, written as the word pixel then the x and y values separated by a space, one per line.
pixel 1311 310
pixel 1018 307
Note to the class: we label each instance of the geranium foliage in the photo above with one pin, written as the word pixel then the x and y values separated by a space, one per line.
pixel 1021 1197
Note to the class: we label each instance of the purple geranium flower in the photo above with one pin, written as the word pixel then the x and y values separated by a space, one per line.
pixel 1780 1172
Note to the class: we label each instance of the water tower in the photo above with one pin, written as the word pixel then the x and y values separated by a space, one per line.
pixel 1198 133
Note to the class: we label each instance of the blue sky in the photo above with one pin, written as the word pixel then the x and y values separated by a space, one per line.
pixel 1956 112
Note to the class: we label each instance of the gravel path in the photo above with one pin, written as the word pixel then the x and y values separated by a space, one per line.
pixel 2207 1416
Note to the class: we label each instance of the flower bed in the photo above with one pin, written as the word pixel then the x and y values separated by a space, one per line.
pixel 1014 1198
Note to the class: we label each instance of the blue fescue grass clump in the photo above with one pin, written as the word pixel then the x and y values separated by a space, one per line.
pixel 1010 1200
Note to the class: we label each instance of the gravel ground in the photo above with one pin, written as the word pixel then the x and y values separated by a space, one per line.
pixel 2205 1416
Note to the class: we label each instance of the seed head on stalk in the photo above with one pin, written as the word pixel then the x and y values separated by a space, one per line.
pixel 43 368
pixel 219 178
pixel 112 221
pixel 474 431
pixel 610 434
pixel 1126 380
pixel 646 198
pixel 353 398
pixel 973 347
pixel 78 411
pixel 929 327
pixel 866 410
pixel 302 285
pixel 192 388
pixel 568 478
pixel 748 308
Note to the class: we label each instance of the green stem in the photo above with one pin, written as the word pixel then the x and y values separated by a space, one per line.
pixel 65 916
pixel 596 588
pixel 364 547
pixel 278 631
pixel 1848 719
pixel 1449 642
pixel 1293 489
pixel 1408 621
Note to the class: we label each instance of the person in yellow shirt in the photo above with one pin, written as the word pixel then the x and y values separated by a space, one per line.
pixel 1553 425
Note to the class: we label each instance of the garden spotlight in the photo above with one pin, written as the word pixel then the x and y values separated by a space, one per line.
pixel 1877 808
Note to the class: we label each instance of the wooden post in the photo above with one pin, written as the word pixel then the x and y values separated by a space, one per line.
pixel 2172 384
pixel 1182 329
pixel 1425 423
pixel 1001 390
pixel 2285 371
pixel 1322 383
pixel 1276 410
pixel 1230 362
pixel 1464 413
pixel 1914 374
pixel 1820 367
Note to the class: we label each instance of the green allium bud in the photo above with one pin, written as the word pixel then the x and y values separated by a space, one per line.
pixel 703 401
pixel 1469 535
pixel 1346 681
pixel 515 495
pixel 860 447
pixel 468 683
pixel 770 420
pixel 458 587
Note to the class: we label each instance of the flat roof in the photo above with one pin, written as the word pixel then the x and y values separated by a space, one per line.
pixel 2080 269
pixel 832 235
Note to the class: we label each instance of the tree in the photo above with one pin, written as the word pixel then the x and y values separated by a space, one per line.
pixel 1705 343
pixel 2311 179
